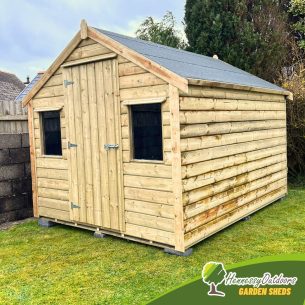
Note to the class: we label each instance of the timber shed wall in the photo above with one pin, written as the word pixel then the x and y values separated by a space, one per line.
pixel 148 193
pixel 224 156
pixel 233 150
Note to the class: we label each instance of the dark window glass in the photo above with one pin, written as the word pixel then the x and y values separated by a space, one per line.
pixel 147 131
pixel 51 133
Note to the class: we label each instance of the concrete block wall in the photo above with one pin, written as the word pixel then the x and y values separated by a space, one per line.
pixel 15 177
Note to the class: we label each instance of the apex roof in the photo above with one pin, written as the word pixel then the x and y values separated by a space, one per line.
pixel 191 65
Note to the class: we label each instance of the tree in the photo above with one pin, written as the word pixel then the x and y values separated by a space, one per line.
pixel 248 34
pixel 297 10
pixel 214 274
pixel 163 32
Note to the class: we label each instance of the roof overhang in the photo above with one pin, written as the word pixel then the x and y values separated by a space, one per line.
pixel 199 82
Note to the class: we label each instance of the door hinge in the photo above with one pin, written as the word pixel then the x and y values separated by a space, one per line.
pixel 74 206
pixel 67 83
pixel 109 146
pixel 71 145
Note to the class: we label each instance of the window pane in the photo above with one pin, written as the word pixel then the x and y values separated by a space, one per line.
pixel 147 132
pixel 51 132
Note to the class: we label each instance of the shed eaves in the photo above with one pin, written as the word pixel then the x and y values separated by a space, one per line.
pixel 191 65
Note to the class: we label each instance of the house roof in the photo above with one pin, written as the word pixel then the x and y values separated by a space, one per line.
pixel 10 86
pixel 191 65
pixel 28 88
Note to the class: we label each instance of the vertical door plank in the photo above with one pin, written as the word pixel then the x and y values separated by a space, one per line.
pixel 95 147
pixel 70 91
pixel 80 143
pixel 87 144
pixel 119 153
pixel 111 138
pixel 102 127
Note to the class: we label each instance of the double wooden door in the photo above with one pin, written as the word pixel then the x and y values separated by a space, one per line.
pixel 95 164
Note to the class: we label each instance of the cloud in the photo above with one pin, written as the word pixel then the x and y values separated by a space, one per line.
pixel 33 32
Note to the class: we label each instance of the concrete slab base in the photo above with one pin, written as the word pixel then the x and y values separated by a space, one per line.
pixel 188 252
pixel 98 234
pixel 246 218
pixel 45 222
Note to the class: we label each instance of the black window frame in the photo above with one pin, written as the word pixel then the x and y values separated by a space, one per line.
pixel 44 150
pixel 133 156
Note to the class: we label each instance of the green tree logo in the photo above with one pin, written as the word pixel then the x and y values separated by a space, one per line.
pixel 214 274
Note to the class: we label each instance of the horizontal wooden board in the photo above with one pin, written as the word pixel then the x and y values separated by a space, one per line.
pixel 147 169
pixel 214 176
pixel 139 80
pixel 150 234
pixel 195 169
pixel 50 92
pixel 55 80
pixel 57 101
pixel 149 195
pixel 53 194
pixel 194 130
pixel 200 104
pixel 150 221
pixel 60 174
pixel 202 218
pixel 219 223
pixel 231 183
pixel 88 51
pixel 164 104
pixel 144 92
pixel 151 183
pixel 51 163
pixel 197 117
pixel 233 149
pixel 221 93
pixel 203 142
pixel 54 204
pixel 53 184
pixel 194 208
pixel 150 208
pixel 86 42
pixel 129 68
pixel 53 213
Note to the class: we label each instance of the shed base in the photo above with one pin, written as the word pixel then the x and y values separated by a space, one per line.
pixel 44 222
pixel 98 234
pixel 187 252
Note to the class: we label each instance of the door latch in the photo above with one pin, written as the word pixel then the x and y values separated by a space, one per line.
pixel 71 145
pixel 67 83
pixel 74 206
pixel 109 146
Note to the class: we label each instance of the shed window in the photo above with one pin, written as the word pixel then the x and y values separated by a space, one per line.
pixel 147 132
pixel 51 134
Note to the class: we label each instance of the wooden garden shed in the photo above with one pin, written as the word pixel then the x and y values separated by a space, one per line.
pixel 153 144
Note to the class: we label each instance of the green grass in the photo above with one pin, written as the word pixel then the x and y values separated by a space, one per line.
pixel 63 265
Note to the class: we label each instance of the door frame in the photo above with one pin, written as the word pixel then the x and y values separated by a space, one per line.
pixel 68 92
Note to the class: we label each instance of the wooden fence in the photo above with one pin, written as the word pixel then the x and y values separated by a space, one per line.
pixel 13 117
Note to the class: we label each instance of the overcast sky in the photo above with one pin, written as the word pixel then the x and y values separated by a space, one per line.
pixel 33 32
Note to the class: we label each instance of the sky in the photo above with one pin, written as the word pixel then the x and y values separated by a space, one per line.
pixel 34 32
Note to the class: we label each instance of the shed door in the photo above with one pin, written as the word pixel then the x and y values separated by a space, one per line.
pixel 93 118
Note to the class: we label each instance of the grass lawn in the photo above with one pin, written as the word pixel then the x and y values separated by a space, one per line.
pixel 63 265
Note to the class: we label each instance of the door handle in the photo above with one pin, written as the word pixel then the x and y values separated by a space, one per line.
pixel 111 146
